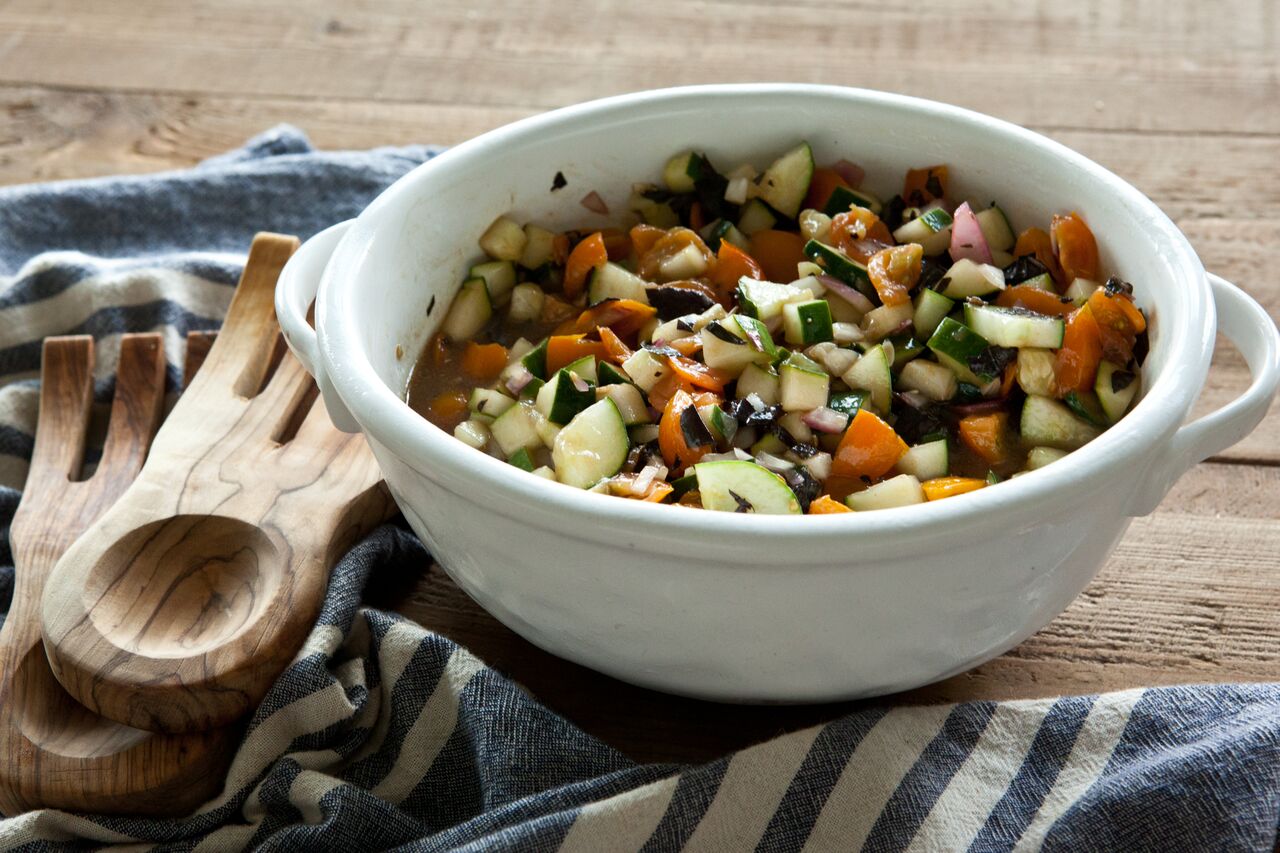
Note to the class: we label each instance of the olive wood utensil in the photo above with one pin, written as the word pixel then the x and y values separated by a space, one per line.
pixel 179 606
pixel 54 752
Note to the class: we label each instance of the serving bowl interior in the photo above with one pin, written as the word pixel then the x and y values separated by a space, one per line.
pixel 390 281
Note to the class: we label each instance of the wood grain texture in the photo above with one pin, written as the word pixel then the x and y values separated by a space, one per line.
pixel 180 605
pixel 53 751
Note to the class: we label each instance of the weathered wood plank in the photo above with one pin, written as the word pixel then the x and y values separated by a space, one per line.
pixel 1110 63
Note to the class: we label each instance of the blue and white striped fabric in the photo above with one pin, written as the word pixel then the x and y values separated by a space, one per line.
pixel 381 734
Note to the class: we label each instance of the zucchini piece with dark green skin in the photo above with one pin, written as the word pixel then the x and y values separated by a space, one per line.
pixel 741 486
pixel 535 360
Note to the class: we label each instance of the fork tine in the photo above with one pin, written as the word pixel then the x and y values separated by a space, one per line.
pixel 66 396
pixel 198 346
pixel 136 409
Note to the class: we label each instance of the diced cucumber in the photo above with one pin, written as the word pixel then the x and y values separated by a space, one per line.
pixel 682 486
pixel 932 380
pixel 723 230
pixel 679 172
pixel 538 244
pixel 1014 327
pixel 1036 371
pixel 902 490
pixel 807 322
pixel 926 461
pixel 504 240
pixel 561 398
pixel 499 277
pixel 643 433
pixel 521 459
pixel 536 360
pixel 1043 281
pixel 841 266
pixel 739 486
pixel 802 384
pixel 906 347
pixel 721 426
pixel 472 432
pixel 629 400
pixel 1038 457
pixel 584 367
pixel 995 228
pixel 760 380
pixel 526 303
pixel 931 306
pixel 1116 388
pixel 517 428
pixel 1085 405
pixel 592 446
pixel 786 182
pixel 966 278
pixel 1048 423
pixel 885 320
pixel 607 374
pixel 847 402
pixel 871 374
pixel 955 344
pixel 531 389
pixel 931 229
pixel 490 403
pixel 843 199
pixel 769 443
pixel 470 311
pixel 730 344
pixel 646 369
pixel 1080 290
pixel 756 216
pixel 614 282
pixel 764 299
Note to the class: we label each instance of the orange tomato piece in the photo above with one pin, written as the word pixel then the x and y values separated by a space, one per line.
pixel 615 350
pixel 665 388
pixel 778 253
pixel 658 492
pixel 868 448
pixel 1010 376
pixel 826 505
pixel 1077 249
pixel 447 410
pixel 686 346
pixel 918 189
pixel 894 271
pixel 1119 322
pixel 1035 241
pixel 947 487
pixel 483 362
pixel 988 436
pixel 588 255
pixel 1076 364
pixel 671 440
pixel 617 243
pixel 823 183
pixel 698 374
pixel 555 309
pixel 855 225
pixel 731 265
pixel 1034 299
pixel 643 238
pixel 624 316
pixel 566 349
pixel 560 249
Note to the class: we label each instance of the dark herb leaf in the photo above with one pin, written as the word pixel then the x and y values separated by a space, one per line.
pixel 1141 346
pixel 802 483
pixel 1024 267
pixel 1116 286
pixel 932 273
pixel 799 448
pixel 744 505
pixel 662 349
pixel 746 415
pixel 709 186
pixel 642 455
pixel 934 186
pixel 558 182
pixel 1121 379
pixel 724 334
pixel 916 425
pixel 891 214
pixel 695 431
pixel 673 302
pixel 993 360
pixel 967 393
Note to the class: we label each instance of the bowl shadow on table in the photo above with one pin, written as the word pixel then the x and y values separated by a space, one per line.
pixel 645 725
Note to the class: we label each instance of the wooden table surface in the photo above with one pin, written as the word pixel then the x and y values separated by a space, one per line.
pixel 1181 99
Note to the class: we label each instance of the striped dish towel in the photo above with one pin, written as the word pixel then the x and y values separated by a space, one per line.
pixel 382 735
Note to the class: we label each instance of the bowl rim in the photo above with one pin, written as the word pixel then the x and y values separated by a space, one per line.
pixel 387 419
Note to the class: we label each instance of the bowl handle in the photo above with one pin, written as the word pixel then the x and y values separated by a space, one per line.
pixel 295 291
pixel 1251 329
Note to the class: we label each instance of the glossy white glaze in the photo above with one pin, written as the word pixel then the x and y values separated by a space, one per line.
pixel 758 608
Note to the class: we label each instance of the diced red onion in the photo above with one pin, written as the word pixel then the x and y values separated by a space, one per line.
pixel 914 399
pixel 851 172
pixel 985 407
pixel 579 383
pixel 967 240
pixel 644 479
pixel 824 419
pixel 774 463
pixel 594 203
pixel 518 380
pixel 845 292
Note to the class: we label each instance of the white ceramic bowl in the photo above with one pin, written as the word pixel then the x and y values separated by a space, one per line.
pixel 744 607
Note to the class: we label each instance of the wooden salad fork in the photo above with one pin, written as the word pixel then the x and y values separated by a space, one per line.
pixel 177 609
pixel 54 752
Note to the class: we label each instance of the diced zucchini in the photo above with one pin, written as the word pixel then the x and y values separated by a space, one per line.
pixel 629 400
pixel 1036 373
pixel 761 380
pixel 1039 457
pixel 807 322
pixel 756 216
pixel 727 346
pixel 526 303
pixel 592 446
pixel 931 229
pixel 931 306
pixel 499 277
pixel 906 347
pixel 764 299
pixel 966 278
pixel 843 199
pixel 1116 388
pixel 472 432
pixel 614 282
pixel 841 266
pixel 1080 290
pixel 679 172
pixel 723 230
pixel 504 240
pixel 536 360
pixel 932 380
pixel 786 182
pixel 955 344
pixel 607 374
pixel 538 244
pixel 769 443
pixel 470 311
pixel 847 402
pixel 995 228
pixel 645 369
pixel 871 374
pixel 687 263
pixel 584 367
pixel 1048 423
pixel 721 426
pixel 517 427
pixel 802 384
pixel 643 433
pixel 1043 281
pixel 1085 405
pixel 561 398
pixel 926 461
pixel 544 472
pixel 1014 327
pixel 885 320
pixel 902 490
pixel 490 403
pixel 740 486
pixel 521 459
